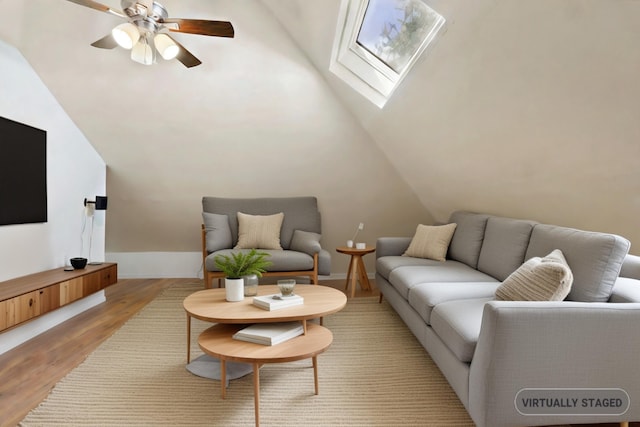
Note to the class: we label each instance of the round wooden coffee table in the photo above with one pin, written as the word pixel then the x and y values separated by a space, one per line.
pixel 210 305
pixel 217 341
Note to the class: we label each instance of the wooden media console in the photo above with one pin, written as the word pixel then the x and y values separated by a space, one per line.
pixel 27 297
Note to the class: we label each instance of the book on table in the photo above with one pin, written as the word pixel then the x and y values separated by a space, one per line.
pixel 276 301
pixel 270 333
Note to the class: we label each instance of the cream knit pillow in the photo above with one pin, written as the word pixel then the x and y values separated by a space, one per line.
pixel 259 231
pixel 538 279
pixel 431 241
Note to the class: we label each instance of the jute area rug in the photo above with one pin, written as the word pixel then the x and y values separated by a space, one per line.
pixel 374 374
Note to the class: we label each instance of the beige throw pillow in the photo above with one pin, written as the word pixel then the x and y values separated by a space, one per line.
pixel 259 231
pixel 538 279
pixel 431 241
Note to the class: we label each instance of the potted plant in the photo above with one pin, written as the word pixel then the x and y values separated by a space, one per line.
pixel 236 266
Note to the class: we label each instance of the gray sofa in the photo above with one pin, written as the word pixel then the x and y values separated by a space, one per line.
pixel 300 233
pixel 491 350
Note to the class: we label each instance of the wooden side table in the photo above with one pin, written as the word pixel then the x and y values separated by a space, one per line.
pixel 356 271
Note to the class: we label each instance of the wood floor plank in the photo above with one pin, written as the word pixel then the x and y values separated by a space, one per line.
pixel 29 372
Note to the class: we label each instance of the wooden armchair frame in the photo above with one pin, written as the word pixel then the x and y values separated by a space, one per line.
pixel 210 275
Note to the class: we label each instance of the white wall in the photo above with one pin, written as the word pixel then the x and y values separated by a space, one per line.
pixel 74 171
pixel 255 119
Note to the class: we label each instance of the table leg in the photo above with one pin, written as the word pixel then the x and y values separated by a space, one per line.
pixel 223 378
pixel 315 372
pixel 346 284
pixel 188 338
pixel 354 274
pixel 256 392
pixel 362 272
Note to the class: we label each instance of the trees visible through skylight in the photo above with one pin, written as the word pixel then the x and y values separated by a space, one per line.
pixel 377 42
pixel 394 30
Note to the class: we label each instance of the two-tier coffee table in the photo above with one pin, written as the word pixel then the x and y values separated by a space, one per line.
pixel 210 305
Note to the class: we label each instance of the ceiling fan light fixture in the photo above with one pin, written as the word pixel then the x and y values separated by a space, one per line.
pixel 126 35
pixel 142 52
pixel 167 48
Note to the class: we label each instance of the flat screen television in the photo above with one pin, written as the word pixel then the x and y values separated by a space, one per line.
pixel 23 173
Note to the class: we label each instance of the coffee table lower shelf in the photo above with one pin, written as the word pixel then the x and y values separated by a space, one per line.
pixel 217 341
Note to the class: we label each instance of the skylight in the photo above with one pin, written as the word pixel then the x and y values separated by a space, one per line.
pixel 378 41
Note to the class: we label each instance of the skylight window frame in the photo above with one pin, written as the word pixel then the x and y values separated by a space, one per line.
pixel 362 69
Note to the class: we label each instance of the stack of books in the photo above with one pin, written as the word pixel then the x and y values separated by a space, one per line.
pixel 269 333
pixel 276 301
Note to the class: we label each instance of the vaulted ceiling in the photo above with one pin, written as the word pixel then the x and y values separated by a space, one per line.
pixel 524 108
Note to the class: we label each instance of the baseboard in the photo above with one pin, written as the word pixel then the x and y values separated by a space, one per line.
pixel 168 265
pixel 157 265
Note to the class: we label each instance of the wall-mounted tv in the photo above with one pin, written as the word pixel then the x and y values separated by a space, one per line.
pixel 23 173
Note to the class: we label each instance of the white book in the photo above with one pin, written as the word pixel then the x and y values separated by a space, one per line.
pixel 270 333
pixel 275 301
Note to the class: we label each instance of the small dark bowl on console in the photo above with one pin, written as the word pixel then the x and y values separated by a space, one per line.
pixel 78 263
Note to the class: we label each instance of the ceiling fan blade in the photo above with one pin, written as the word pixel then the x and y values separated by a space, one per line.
pixel 186 57
pixel 98 6
pixel 201 26
pixel 107 42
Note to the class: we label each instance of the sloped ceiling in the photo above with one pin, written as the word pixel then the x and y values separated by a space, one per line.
pixel 523 108
pixel 255 119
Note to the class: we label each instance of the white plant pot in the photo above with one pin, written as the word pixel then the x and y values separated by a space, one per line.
pixel 234 289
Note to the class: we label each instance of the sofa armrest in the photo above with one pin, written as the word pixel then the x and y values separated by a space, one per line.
pixel 552 345
pixel 324 263
pixel 309 243
pixel 631 267
pixel 306 242
pixel 391 246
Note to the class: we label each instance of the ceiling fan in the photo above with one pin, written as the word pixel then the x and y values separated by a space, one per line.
pixel 147 27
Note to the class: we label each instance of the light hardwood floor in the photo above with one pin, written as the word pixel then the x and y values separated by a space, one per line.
pixel 29 372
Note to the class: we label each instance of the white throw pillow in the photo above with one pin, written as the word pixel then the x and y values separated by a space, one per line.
pixel 431 241
pixel 538 279
pixel 259 231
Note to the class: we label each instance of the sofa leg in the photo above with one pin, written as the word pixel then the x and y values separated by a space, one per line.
pixel 624 424
pixel 380 299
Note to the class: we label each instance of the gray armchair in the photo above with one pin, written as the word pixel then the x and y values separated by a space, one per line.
pixel 297 252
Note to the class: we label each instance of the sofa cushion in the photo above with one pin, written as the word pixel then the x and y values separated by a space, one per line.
pixel 595 258
pixel 538 279
pixel 218 232
pixel 282 260
pixel 405 278
pixel 467 239
pixel 431 241
pixel 385 265
pixel 504 246
pixel 259 231
pixel 458 323
pixel 300 213
pixel 425 296
pixel 306 241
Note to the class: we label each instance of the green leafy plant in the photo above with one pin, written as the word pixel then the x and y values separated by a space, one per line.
pixel 243 263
